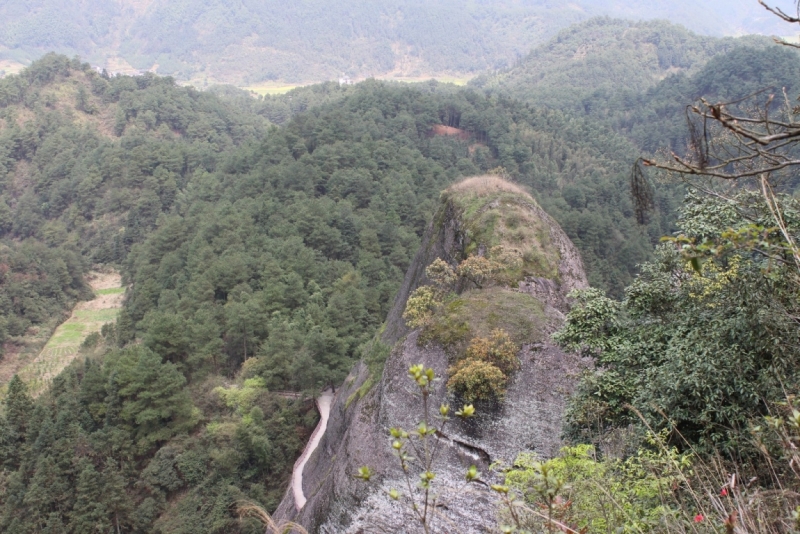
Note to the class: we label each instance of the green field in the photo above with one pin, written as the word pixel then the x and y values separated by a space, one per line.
pixel 65 343
pixel 443 78
pixel 278 88
pixel 110 291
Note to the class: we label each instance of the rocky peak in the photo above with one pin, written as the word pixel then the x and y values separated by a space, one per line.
pixel 534 265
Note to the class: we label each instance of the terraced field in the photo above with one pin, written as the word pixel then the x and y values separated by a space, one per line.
pixel 64 345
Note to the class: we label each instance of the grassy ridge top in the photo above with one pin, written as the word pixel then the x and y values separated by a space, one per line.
pixel 498 213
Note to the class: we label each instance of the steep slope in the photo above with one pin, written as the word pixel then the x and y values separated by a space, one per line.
pixel 316 40
pixel 473 217
pixel 87 165
pixel 272 264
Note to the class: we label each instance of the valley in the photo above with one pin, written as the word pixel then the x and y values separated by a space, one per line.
pixel 212 42
pixel 553 265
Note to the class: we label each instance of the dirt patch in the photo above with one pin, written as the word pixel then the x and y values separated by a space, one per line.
pixel 10 66
pixel 117 65
pixel 11 362
pixel 473 147
pixel 100 280
pixel 102 302
pixel 449 131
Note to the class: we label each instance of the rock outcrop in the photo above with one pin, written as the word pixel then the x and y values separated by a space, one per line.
pixel 474 216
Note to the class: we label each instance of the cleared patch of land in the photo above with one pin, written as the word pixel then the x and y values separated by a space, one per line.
pixel 271 88
pixel 38 370
pixel 10 66
pixel 280 88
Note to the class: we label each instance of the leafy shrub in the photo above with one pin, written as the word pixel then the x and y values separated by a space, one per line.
pixel 599 495
pixel 441 274
pixel 498 350
pixel 478 270
pixel 161 474
pixel 91 341
pixel 483 373
pixel 477 380
pixel 192 466
pixel 420 306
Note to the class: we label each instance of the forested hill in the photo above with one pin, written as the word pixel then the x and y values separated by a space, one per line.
pixel 258 259
pixel 315 40
pixel 637 78
pixel 603 57
pixel 87 165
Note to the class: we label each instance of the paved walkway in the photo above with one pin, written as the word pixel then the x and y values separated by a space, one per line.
pixel 324 405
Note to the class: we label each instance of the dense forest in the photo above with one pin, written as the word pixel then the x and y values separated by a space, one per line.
pixel 86 166
pixel 638 78
pixel 263 240
pixel 250 42
pixel 608 58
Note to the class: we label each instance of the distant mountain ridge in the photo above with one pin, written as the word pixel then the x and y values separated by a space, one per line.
pixel 608 55
pixel 638 77
pixel 249 42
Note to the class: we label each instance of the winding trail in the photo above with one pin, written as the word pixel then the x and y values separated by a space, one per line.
pixel 324 402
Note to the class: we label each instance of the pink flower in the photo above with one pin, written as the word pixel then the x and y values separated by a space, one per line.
pixel 724 492
pixel 698 518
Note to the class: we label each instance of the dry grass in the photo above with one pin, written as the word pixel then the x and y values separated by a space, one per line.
pixel 270 88
pixel 487 185
pixel 497 212
pixel 250 509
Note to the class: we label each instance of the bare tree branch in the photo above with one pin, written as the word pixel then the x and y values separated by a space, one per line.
pixel 778 12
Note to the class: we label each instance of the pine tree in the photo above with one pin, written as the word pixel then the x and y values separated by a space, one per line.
pixel 90 513
pixel 154 403
pixel 19 406
pixel 117 501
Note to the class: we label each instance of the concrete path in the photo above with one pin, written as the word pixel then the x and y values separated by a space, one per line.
pixel 324 402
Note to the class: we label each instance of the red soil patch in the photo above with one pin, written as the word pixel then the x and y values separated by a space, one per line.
pixel 10 362
pixel 449 131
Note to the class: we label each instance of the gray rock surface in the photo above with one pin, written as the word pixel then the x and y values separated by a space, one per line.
pixel 529 419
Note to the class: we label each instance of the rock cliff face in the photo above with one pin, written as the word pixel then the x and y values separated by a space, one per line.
pixel 474 216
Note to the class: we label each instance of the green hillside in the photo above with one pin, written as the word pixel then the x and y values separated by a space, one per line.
pixel 87 164
pixel 249 42
pixel 258 259
pixel 637 78
pixel 603 57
